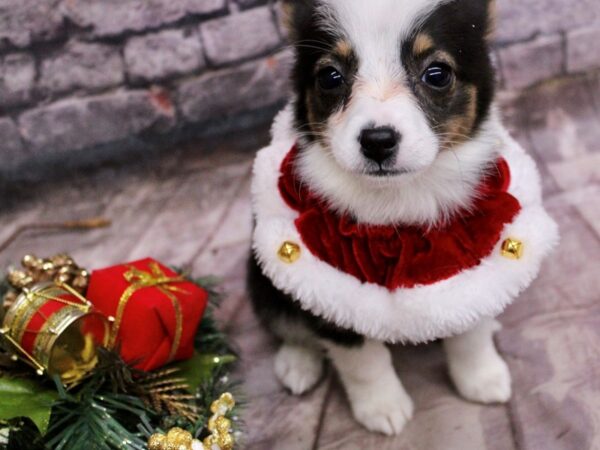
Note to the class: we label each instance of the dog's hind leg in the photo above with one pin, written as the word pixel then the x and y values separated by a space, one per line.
pixel 478 371
pixel 377 397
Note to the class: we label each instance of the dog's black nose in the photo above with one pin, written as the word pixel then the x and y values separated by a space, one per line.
pixel 379 144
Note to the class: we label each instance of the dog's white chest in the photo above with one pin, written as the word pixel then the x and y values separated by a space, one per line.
pixel 418 313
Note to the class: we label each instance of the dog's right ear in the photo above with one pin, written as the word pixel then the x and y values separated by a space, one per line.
pixel 297 14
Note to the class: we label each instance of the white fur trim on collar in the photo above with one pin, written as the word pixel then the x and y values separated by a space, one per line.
pixel 417 314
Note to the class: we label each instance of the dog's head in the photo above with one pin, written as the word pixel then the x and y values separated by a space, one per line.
pixel 385 86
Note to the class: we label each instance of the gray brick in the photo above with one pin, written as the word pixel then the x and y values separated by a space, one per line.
pixel 11 148
pixel 114 17
pixel 163 55
pixel 17 77
pixel 239 36
pixel 80 123
pixel 24 22
pixel 583 49
pixel 203 7
pixel 520 20
pixel 81 65
pixel 231 91
pixel 526 63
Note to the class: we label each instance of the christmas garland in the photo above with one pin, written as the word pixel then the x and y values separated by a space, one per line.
pixel 117 406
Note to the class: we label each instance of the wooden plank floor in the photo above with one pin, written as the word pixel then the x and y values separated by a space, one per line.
pixel 191 208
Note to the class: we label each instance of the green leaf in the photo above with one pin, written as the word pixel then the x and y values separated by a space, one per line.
pixel 24 398
pixel 200 368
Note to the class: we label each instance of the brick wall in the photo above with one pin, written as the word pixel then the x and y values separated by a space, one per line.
pixel 77 75
pixel 541 39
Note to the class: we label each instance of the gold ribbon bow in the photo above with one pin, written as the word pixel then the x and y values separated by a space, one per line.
pixel 140 279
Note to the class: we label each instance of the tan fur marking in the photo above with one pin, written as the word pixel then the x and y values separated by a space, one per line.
pixel 446 57
pixel 381 90
pixel 337 118
pixel 423 42
pixel 313 124
pixel 343 49
pixel 458 129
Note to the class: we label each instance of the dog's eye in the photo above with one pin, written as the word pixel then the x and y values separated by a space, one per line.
pixel 330 78
pixel 438 76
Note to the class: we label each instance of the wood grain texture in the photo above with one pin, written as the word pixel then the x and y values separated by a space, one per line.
pixel 274 419
pixel 442 420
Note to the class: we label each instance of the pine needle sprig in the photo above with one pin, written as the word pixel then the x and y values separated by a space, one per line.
pixel 161 391
pixel 112 373
pixel 209 338
pixel 94 420
pixel 167 393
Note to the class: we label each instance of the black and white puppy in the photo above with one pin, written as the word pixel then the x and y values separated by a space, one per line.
pixel 392 127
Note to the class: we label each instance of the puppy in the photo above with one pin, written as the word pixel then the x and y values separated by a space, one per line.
pixel 392 206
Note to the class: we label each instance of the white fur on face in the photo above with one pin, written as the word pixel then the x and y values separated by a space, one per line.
pixel 419 145
pixel 380 94
pixel 426 197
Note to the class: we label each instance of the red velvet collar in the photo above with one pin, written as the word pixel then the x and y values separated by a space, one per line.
pixel 401 256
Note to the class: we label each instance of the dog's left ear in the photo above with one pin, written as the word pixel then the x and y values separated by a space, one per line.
pixel 480 12
pixel 296 15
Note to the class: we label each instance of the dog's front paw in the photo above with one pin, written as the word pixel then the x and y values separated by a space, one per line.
pixel 298 368
pixel 487 382
pixel 382 408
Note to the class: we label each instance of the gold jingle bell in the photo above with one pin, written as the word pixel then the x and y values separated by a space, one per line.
pixel 512 248
pixel 289 252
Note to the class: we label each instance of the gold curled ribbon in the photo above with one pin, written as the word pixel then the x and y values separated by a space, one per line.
pixel 140 279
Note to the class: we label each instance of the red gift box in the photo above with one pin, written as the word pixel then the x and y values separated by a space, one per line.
pixel 156 311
